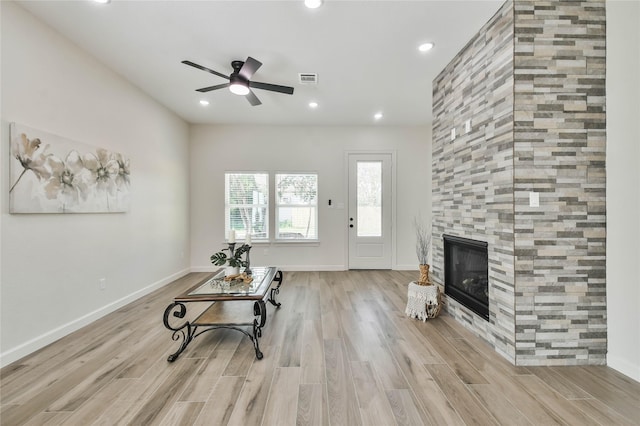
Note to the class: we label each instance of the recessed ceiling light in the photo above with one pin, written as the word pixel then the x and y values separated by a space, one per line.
pixel 313 4
pixel 425 47
pixel 204 102
pixel 102 1
pixel 377 115
pixel 313 105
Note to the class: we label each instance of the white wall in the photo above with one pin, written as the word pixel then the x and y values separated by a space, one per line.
pixel 51 263
pixel 217 149
pixel 623 186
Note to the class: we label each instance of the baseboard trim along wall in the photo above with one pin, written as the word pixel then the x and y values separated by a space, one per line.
pixel 309 268
pixel 43 340
pixel 292 268
pixel 413 267
pixel 623 366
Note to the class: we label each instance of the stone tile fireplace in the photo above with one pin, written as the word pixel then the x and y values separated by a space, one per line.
pixel 526 97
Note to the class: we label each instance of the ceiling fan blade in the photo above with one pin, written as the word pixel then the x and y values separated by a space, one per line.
pixel 249 68
pixel 210 88
pixel 273 87
pixel 200 67
pixel 253 99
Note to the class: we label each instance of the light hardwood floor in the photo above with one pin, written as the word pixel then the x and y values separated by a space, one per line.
pixel 340 351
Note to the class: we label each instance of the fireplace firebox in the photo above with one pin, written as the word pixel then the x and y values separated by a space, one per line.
pixel 466 273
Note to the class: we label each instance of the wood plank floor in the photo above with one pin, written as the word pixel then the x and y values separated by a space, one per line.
pixel 340 351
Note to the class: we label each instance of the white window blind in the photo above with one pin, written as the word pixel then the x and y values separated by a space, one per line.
pixel 247 205
pixel 296 206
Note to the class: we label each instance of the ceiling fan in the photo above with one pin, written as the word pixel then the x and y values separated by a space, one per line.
pixel 240 80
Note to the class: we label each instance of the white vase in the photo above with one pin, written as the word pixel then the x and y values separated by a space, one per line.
pixel 231 270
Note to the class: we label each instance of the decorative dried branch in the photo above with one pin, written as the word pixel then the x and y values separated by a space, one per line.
pixel 423 241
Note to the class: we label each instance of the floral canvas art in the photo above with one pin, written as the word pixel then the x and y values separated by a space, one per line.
pixel 52 174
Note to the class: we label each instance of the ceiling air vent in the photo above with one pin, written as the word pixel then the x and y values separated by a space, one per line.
pixel 308 78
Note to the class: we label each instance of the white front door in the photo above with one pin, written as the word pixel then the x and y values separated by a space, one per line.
pixel 369 219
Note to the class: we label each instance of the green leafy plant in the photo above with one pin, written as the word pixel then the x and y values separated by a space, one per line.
pixel 234 259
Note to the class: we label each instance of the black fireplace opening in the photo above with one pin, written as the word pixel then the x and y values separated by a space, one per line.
pixel 466 273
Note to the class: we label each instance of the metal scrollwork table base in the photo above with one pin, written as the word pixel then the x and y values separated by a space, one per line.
pixel 231 307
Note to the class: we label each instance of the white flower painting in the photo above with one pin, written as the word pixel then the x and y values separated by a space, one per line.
pixel 51 174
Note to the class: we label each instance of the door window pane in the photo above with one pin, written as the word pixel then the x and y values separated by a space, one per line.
pixel 369 198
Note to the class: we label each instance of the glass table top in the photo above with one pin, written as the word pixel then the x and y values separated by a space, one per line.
pixel 216 288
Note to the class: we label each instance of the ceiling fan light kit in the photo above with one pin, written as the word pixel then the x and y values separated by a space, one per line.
pixel 237 86
pixel 313 4
pixel 240 80
pixel 239 89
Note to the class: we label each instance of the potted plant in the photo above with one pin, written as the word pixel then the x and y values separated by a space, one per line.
pixel 423 298
pixel 423 247
pixel 233 261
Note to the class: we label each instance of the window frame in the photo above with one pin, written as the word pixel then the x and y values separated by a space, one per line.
pixel 228 206
pixel 271 205
pixel 277 205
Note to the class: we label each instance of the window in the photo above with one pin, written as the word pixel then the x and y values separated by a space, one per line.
pixel 247 204
pixel 296 206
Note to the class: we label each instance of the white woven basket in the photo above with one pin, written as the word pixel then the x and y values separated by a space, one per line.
pixel 422 301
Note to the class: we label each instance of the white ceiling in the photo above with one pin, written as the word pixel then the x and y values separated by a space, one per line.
pixel 365 53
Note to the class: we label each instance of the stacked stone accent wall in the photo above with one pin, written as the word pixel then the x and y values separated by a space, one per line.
pixel 473 175
pixel 532 83
pixel 559 152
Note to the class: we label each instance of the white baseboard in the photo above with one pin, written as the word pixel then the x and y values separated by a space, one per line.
pixel 298 268
pixel 307 268
pixel 51 336
pixel 412 267
pixel 312 268
pixel 204 268
pixel 625 367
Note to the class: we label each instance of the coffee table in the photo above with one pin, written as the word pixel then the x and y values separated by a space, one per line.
pixel 234 305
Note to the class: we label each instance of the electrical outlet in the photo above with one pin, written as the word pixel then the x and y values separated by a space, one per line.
pixel 102 283
pixel 534 199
